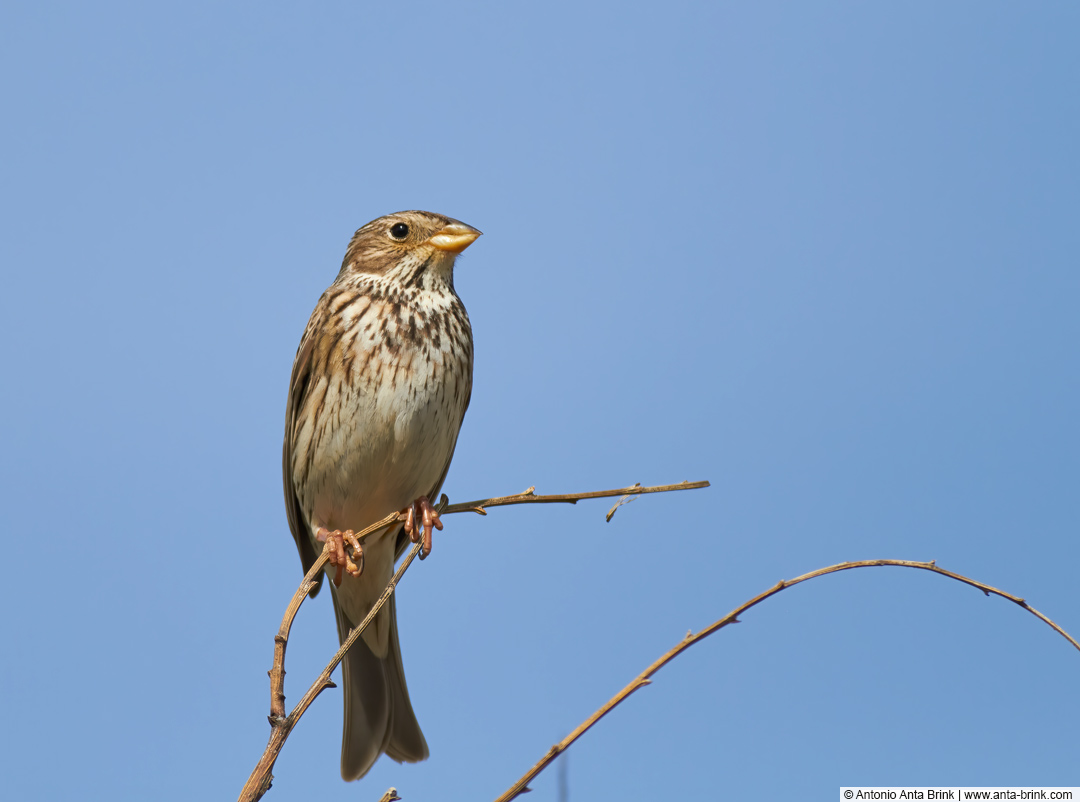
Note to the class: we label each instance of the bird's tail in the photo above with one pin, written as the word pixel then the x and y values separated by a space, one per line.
pixel 378 714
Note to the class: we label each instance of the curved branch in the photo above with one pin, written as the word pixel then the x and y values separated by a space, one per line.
pixel 643 679
pixel 280 724
pixel 281 640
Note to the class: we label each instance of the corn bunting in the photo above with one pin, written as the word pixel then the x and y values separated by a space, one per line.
pixel 379 387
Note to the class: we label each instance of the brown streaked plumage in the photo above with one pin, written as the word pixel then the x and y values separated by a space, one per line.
pixel 379 387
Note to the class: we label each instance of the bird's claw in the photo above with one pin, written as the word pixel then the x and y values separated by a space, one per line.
pixel 336 554
pixel 421 513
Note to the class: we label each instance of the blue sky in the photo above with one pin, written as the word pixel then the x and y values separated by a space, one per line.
pixel 822 255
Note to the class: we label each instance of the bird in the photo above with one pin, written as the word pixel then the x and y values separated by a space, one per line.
pixel 378 392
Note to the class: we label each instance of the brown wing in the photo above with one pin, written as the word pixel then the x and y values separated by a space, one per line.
pixel 299 384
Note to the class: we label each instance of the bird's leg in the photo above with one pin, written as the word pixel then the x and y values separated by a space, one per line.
pixel 420 512
pixel 335 546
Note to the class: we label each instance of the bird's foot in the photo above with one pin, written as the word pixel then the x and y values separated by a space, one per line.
pixel 335 546
pixel 420 512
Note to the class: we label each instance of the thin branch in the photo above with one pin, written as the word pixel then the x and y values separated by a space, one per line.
pixel 259 781
pixel 281 725
pixel 281 640
pixel 643 679
pixel 530 497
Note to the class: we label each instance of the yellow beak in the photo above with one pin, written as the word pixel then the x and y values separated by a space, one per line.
pixel 454 238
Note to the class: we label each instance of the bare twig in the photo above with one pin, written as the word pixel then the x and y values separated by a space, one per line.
pixel 643 679
pixel 530 497
pixel 281 725
pixel 259 781
pixel 281 640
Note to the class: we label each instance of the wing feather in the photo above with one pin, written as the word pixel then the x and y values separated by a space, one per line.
pixel 299 384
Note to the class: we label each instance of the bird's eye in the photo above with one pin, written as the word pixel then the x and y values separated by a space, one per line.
pixel 399 231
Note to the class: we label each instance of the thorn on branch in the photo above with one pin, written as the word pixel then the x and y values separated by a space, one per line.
pixel 624 500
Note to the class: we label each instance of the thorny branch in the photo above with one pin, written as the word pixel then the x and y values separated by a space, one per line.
pixel 643 679
pixel 281 725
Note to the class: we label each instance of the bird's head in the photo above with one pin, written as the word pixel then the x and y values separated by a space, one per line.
pixel 410 247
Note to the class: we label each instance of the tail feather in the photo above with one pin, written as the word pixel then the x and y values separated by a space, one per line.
pixel 407 743
pixel 378 714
